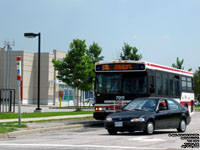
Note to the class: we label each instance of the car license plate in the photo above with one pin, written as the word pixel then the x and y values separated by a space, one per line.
pixel 118 124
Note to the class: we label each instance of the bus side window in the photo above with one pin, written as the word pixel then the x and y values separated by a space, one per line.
pixel 184 83
pixel 189 84
pixel 165 84
pixel 177 85
pixel 151 84
pixel 192 85
pixel 172 87
pixel 158 83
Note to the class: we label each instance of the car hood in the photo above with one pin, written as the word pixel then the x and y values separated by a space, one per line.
pixel 127 115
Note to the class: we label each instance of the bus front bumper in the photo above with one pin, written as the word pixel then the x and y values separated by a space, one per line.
pixel 100 115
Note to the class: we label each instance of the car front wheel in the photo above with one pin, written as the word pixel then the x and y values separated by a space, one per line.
pixel 182 126
pixel 112 132
pixel 149 128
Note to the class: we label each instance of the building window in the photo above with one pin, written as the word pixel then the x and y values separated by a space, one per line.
pixel 68 92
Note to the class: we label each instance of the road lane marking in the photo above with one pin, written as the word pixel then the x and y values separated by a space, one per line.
pixel 146 139
pixel 81 146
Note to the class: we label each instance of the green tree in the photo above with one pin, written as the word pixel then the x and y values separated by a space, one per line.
pixel 178 64
pixel 197 82
pixel 76 66
pixel 130 53
pixel 95 51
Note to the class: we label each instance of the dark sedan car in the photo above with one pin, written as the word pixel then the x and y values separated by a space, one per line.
pixel 147 115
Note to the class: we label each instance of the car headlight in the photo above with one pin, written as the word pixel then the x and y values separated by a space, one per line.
pixel 109 119
pixel 137 120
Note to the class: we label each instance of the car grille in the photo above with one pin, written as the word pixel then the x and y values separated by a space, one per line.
pixel 121 119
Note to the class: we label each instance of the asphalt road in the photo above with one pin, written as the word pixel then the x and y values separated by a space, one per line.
pixel 97 138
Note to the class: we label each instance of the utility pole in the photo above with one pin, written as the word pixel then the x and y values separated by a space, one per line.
pixel 7 63
pixel 7 73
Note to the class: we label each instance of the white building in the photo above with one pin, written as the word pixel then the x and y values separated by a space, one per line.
pixel 49 85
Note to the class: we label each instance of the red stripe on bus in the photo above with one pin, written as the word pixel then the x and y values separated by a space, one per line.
pixel 171 69
pixel 183 103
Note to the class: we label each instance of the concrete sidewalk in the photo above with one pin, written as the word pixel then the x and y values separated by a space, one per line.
pixel 40 127
pixel 49 126
pixel 30 108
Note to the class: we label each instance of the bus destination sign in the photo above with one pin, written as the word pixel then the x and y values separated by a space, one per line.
pixel 120 66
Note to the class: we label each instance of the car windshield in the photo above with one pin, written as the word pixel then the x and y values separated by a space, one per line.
pixel 121 83
pixel 142 104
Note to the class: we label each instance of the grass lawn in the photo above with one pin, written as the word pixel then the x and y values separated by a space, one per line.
pixel 42 114
pixel 197 108
pixel 10 127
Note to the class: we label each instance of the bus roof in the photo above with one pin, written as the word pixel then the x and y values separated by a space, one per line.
pixel 151 66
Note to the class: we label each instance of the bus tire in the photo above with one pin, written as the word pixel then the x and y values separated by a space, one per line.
pixel 182 126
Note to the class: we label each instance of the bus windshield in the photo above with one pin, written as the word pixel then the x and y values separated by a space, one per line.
pixel 142 104
pixel 121 83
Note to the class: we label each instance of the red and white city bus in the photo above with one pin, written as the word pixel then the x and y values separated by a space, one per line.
pixel 119 82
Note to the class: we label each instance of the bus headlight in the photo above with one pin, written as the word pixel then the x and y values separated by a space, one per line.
pixel 99 108
pixel 109 119
pixel 137 120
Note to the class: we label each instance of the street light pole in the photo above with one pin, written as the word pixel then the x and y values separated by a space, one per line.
pixel 38 108
pixel 32 35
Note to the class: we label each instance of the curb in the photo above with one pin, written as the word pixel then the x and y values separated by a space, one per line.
pixel 48 129
pixel 3 136
pixel 40 130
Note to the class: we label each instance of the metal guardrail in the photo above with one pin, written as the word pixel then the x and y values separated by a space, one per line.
pixel 7 100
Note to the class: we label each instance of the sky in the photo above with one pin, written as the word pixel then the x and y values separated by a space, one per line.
pixel 161 30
